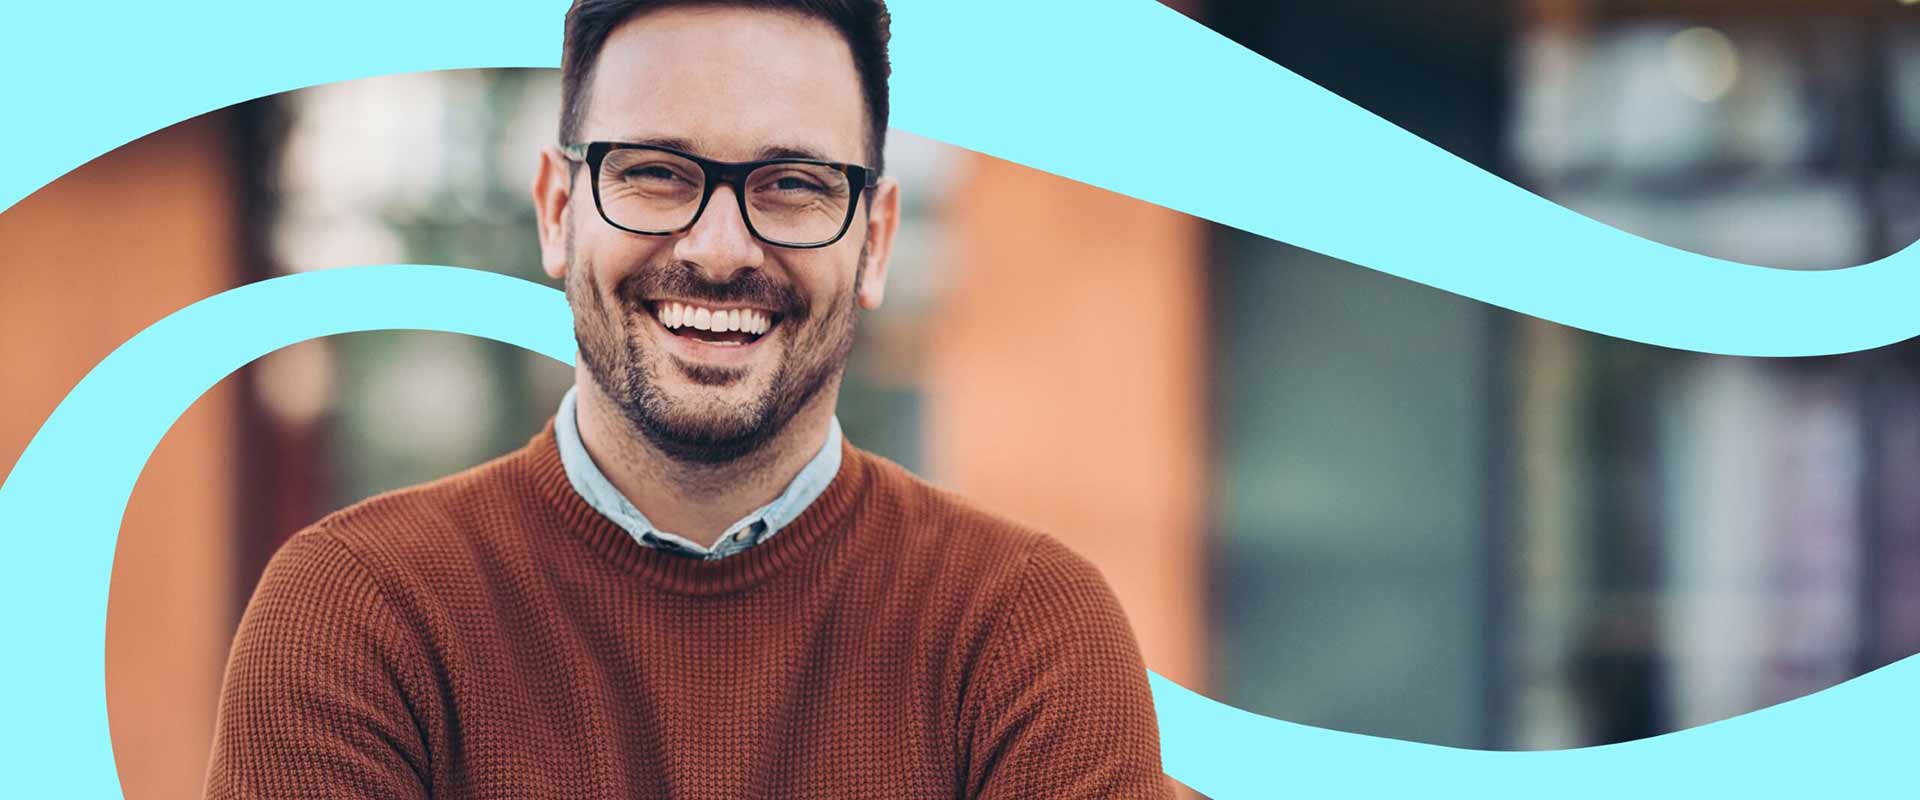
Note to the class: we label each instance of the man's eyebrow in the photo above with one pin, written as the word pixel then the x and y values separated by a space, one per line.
pixel 771 151
pixel 791 151
pixel 675 142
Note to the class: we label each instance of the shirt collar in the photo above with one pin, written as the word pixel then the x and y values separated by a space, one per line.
pixel 756 527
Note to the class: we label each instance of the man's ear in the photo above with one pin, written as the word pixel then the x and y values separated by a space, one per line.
pixel 883 219
pixel 552 191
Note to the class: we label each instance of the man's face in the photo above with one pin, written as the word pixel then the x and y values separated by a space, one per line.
pixel 731 85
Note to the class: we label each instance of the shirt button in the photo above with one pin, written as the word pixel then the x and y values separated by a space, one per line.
pixel 742 535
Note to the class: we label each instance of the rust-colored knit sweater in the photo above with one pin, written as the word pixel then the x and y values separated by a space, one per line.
pixel 489 635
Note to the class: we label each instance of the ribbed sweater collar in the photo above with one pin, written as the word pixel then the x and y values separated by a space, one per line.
pixel 813 532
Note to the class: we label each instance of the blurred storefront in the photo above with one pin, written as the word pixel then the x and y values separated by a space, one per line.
pixel 1446 522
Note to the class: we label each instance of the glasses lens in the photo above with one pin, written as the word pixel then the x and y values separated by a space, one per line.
pixel 647 190
pixel 798 203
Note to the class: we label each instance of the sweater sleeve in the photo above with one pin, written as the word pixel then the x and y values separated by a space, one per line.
pixel 1062 708
pixel 315 702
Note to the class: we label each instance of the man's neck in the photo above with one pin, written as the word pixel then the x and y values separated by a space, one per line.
pixel 697 501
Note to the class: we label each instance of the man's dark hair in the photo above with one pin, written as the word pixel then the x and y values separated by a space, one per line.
pixel 863 23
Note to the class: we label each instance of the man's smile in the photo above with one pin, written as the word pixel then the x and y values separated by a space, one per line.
pixel 713 335
pixel 721 325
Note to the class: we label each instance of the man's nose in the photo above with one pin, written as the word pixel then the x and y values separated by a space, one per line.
pixel 719 242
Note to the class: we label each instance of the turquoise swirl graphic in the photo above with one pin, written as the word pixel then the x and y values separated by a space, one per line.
pixel 1042 84
pixel 65 498
pixel 1036 83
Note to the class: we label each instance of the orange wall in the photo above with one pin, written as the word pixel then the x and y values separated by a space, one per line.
pixel 86 263
pixel 1067 386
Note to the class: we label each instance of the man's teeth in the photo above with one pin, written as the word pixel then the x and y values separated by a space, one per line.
pixel 683 315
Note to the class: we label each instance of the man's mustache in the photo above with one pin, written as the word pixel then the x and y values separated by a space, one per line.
pixel 684 281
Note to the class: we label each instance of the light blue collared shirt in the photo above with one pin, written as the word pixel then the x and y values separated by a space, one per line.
pixel 752 529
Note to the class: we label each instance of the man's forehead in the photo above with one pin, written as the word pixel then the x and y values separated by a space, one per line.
pixel 729 83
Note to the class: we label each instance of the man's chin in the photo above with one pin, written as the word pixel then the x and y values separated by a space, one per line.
pixel 709 382
pixel 693 405
pixel 706 433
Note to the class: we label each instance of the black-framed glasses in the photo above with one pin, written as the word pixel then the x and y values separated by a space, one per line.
pixel 657 191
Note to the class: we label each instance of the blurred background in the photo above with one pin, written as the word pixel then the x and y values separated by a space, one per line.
pixel 1323 493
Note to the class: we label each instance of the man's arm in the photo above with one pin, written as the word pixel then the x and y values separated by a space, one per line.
pixel 317 695
pixel 1060 706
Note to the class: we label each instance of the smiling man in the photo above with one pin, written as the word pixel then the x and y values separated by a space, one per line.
pixel 689 585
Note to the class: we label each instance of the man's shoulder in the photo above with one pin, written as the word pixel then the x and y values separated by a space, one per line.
pixel 413 524
pixel 961 535
pixel 927 509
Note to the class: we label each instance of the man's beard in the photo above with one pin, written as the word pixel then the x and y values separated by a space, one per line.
pixel 815 344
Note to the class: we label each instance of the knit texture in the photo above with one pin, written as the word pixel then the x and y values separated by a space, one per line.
pixel 489 635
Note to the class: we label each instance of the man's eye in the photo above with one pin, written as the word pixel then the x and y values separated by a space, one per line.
pixel 794 184
pixel 651 174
